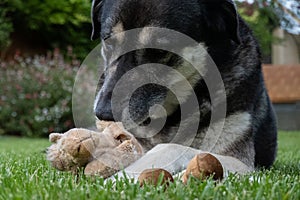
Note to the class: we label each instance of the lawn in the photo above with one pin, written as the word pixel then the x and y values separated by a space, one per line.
pixel 25 174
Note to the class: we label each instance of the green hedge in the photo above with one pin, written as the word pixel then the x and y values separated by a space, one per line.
pixel 52 23
pixel 6 26
pixel 57 23
pixel 262 21
pixel 35 95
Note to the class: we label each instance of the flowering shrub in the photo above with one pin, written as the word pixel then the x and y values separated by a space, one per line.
pixel 36 94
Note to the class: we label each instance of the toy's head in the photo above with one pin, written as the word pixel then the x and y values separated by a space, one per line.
pixel 76 147
pixel 70 150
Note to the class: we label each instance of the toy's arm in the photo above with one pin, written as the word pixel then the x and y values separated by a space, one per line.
pixel 109 161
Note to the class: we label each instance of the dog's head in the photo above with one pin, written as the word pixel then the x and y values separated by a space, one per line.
pixel 206 21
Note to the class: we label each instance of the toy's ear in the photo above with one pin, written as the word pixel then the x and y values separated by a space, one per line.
pixel 53 137
pixel 119 132
pixel 95 15
pixel 101 125
pixel 221 18
pixel 122 137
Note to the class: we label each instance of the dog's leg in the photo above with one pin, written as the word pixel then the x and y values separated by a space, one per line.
pixel 175 158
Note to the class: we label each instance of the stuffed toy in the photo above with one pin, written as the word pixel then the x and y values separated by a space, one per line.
pixel 101 153
pixel 111 149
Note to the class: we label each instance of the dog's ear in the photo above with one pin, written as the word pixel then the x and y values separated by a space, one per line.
pixel 221 18
pixel 231 20
pixel 95 15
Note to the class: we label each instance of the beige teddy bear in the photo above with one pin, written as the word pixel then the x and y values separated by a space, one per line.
pixel 102 153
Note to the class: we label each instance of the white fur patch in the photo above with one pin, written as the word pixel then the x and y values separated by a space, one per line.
pixel 118 31
pixel 234 128
pixel 145 36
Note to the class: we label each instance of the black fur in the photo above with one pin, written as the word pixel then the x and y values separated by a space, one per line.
pixel 231 45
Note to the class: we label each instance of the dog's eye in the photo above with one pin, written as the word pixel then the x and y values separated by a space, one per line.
pixel 106 34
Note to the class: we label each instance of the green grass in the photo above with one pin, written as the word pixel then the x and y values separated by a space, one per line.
pixel 25 174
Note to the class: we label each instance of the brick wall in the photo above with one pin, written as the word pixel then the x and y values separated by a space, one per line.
pixel 283 85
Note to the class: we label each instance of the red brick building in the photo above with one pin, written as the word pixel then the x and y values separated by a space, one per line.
pixel 283 84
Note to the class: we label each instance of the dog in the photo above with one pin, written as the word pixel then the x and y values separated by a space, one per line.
pixel 249 134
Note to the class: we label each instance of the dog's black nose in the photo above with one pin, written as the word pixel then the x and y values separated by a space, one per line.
pixel 104 115
pixel 102 109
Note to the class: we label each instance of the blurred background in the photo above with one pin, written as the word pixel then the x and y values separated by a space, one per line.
pixel 42 44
